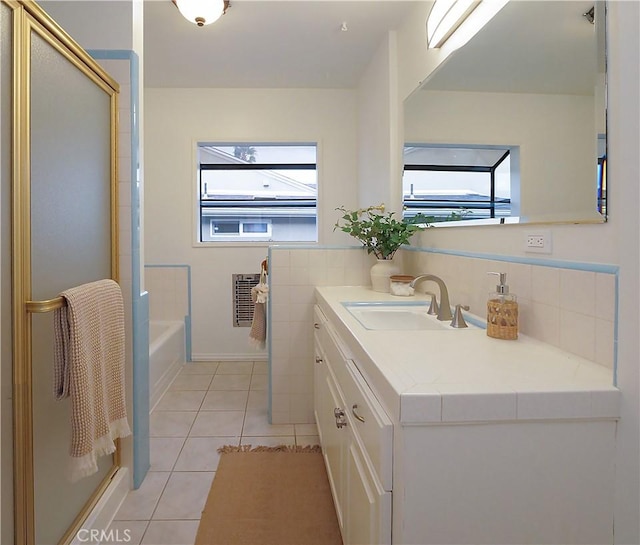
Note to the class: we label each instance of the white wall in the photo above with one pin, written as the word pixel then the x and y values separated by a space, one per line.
pixel 175 120
pixel 624 169
pixel 556 135
pixel 379 112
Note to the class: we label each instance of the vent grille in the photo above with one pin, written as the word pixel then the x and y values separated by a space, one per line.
pixel 242 304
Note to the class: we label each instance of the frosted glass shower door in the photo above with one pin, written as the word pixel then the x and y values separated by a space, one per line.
pixel 65 235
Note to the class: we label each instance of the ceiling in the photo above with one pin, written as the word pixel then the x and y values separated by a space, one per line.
pixel 268 43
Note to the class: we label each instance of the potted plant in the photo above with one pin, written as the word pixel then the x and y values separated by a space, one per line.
pixel 381 234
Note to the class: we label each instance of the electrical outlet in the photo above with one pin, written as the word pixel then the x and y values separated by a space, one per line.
pixel 535 241
pixel 538 241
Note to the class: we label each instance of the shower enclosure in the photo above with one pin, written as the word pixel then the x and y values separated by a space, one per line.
pixel 59 230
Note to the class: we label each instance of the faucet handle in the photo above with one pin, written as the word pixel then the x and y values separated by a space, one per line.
pixel 433 306
pixel 458 319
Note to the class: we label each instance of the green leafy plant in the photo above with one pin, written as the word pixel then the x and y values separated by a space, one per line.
pixel 380 233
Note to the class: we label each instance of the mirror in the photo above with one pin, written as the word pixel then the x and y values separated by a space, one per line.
pixel 533 81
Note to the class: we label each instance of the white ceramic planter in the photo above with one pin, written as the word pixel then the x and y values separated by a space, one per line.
pixel 380 273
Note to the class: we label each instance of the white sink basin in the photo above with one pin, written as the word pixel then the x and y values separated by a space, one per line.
pixel 395 316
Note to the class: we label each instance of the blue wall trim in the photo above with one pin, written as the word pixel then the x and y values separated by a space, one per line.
pixel 187 318
pixel 113 54
pixel 140 301
pixel 556 263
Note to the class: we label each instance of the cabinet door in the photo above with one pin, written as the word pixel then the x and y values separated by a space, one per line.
pixel 332 438
pixel 368 507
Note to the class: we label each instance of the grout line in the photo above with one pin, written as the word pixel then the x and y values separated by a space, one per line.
pixel 187 436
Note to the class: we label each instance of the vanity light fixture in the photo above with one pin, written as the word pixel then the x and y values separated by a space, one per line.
pixel 455 22
pixel 202 12
pixel 445 17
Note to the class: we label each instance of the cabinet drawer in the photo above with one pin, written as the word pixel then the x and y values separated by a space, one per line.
pixel 368 421
pixel 368 506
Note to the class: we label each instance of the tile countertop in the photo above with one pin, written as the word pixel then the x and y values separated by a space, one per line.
pixel 464 376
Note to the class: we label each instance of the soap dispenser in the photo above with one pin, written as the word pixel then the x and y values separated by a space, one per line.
pixel 502 311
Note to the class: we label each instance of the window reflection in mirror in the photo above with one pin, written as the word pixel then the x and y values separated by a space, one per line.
pixel 532 78
pixel 457 183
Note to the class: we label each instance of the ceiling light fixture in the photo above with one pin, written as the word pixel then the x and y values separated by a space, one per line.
pixel 202 12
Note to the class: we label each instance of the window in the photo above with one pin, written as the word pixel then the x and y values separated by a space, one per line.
pixel 457 182
pixel 257 192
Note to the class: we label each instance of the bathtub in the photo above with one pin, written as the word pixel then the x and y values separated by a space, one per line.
pixel 166 356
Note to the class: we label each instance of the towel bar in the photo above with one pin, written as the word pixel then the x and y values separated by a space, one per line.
pixel 47 305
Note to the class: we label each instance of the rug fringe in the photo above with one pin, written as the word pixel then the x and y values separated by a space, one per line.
pixel 261 448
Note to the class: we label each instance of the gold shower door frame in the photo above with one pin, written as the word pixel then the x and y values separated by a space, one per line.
pixel 29 18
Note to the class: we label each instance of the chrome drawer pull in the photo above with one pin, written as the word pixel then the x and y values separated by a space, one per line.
pixel 341 418
pixel 353 410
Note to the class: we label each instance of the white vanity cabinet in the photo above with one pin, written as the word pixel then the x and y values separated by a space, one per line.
pixel 465 439
pixel 356 437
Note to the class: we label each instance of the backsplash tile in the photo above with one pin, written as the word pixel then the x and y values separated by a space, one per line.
pixel 568 305
pixel 578 291
pixel 561 305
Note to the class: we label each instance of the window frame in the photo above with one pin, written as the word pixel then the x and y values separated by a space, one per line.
pixel 238 241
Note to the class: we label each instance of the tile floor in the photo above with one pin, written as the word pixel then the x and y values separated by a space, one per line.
pixel 208 405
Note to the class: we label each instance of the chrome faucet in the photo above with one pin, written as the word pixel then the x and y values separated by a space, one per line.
pixel 444 312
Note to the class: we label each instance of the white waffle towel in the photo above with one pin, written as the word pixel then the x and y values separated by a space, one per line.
pixel 89 368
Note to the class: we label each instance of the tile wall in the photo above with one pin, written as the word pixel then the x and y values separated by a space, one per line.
pixel 122 65
pixel 293 275
pixel 119 70
pixel 568 305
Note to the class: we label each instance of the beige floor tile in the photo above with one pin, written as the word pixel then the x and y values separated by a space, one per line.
pixel 217 423
pixel 306 429
pixel 180 401
pixel 124 531
pixel 139 504
pixel 235 368
pixel 269 441
pixel 164 452
pixel 259 382
pixel 171 532
pixel 230 382
pixel 258 400
pixel 171 423
pixel 260 367
pixel 256 424
pixel 199 368
pixel 184 496
pixel 201 453
pixel 191 382
pixel 221 400
pixel 304 440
